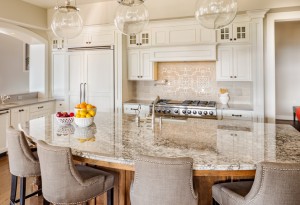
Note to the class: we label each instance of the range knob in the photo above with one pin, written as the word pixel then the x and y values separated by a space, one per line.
pixel 200 112
pixel 194 112
pixel 189 112
pixel 176 111
pixel 211 113
pixel 163 111
pixel 158 110
pixel 184 111
pixel 205 112
pixel 168 111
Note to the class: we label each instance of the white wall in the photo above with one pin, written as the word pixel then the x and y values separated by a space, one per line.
pixel 12 77
pixel 287 38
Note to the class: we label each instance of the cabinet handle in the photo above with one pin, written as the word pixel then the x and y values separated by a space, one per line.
pixel 235 77
pixel 4 113
pixel 60 104
pixel 237 115
pixel 21 110
pixel 230 76
pixel 234 39
pixel 41 107
pixel 231 39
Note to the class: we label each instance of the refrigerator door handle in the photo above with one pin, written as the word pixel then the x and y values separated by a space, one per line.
pixel 84 89
pixel 81 92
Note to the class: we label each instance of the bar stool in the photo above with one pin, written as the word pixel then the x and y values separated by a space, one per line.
pixel 163 181
pixel 274 183
pixel 23 163
pixel 65 183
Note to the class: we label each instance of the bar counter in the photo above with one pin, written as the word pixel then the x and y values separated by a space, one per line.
pixel 223 150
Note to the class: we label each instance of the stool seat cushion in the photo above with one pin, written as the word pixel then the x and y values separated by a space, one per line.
pixel 240 188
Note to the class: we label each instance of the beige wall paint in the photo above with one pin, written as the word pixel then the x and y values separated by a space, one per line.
pixel 22 13
pixel 13 79
pixel 287 68
pixel 103 12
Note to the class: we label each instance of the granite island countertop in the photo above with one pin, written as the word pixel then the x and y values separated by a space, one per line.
pixel 213 144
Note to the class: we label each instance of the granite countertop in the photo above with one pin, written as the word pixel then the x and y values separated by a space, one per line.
pixel 213 144
pixel 235 107
pixel 19 103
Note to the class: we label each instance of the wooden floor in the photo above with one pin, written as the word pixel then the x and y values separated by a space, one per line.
pixel 5 178
pixel 296 124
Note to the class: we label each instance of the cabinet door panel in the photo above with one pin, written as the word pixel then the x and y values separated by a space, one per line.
pixel 224 64
pixel 242 60
pixel 183 35
pixel 207 35
pixel 75 64
pixel 133 65
pixel 241 32
pixel 58 74
pixel 160 37
pixel 100 79
pixel 146 66
pixel 225 34
pixel 79 41
pixel 102 39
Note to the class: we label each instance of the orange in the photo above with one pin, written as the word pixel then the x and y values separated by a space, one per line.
pixel 83 103
pixel 89 106
pixel 82 106
pixel 77 106
pixel 92 113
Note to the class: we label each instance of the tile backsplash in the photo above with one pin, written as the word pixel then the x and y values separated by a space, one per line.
pixel 191 80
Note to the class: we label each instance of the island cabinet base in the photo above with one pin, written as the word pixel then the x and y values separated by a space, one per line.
pixel 203 181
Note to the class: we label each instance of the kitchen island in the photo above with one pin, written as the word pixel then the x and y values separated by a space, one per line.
pixel 223 150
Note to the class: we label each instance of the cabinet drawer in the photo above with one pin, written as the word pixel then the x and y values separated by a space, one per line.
pixel 236 114
pixel 40 107
pixel 130 109
pixel 39 114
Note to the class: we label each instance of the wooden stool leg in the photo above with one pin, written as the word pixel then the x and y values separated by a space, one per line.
pixel 22 190
pixel 110 197
pixel 45 202
pixel 13 189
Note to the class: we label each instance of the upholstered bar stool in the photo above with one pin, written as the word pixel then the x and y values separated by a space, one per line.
pixel 65 183
pixel 163 181
pixel 274 184
pixel 23 163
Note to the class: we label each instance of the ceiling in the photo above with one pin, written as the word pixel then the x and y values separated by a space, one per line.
pixel 52 3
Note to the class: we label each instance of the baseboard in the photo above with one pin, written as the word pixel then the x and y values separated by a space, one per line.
pixel 284 117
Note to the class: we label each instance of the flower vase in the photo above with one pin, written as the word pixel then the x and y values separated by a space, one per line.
pixel 224 98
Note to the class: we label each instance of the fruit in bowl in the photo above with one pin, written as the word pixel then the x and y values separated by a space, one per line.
pixel 64 118
pixel 89 108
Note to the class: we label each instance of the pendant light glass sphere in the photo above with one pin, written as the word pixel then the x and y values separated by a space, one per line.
pixel 131 19
pixel 67 23
pixel 216 14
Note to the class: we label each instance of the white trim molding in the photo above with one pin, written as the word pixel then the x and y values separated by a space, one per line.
pixel 270 73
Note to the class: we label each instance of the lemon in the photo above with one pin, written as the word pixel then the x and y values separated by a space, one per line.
pixel 88 116
pixel 89 106
pixel 92 113
pixel 78 115
pixel 83 112
pixel 83 116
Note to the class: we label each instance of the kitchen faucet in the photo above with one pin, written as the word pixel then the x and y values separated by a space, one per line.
pixel 3 98
pixel 153 112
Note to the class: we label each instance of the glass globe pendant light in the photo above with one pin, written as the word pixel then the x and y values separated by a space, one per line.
pixel 216 14
pixel 66 22
pixel 131 17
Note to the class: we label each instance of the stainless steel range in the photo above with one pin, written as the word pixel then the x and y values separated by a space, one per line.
pixel 188 108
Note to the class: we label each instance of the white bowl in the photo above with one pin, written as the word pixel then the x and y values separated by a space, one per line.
pixel 83 122
pixel 64 120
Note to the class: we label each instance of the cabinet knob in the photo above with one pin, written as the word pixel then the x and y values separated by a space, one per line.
pixel 235 77
pixel 234 39
pixel 231 39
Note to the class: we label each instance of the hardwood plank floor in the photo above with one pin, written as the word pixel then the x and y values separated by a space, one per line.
pixel 5 179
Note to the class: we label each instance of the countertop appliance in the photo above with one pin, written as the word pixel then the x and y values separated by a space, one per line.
pixel 187 108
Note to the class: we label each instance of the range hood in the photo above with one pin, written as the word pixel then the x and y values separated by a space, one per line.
pixel 184 53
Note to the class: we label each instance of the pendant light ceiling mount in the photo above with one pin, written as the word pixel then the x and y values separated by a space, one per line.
pixel 131 2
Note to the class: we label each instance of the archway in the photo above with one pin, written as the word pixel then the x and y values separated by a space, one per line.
pixel 38 60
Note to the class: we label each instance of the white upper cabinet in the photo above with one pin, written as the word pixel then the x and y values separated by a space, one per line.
pixel 58 45
pixel 182 35
pixel 234 63
pixel 93 38
pixel 141 40
pixel 140 67
pixel 236 32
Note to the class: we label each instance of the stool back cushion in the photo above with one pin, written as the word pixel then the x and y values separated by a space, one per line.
pixel 163 181
pixel 59 177
pixel 22 162
pixel 275 183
